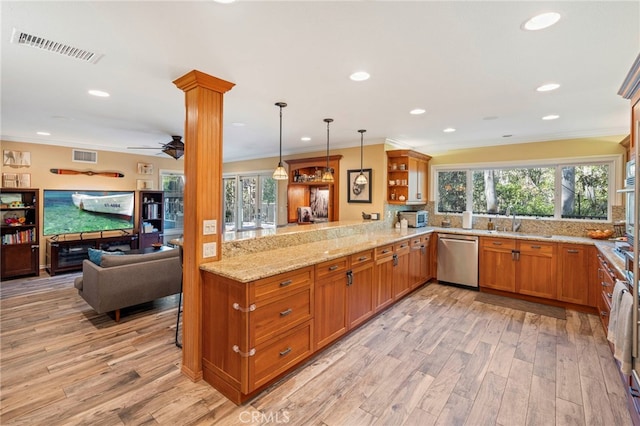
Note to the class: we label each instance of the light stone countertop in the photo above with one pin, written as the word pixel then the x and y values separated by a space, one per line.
pixel 266 263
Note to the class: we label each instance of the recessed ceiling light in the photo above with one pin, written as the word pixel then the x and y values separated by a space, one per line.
pixel 491 117
pixel 506 136
pixel 542 21
pixel 449 130
pixel 417 111
pixel 305 139
pixel 237 124
pixel 550 117
pixel 43 133
pixel 99 93
pixel 548 87
pixel 360 76
pixel 224 1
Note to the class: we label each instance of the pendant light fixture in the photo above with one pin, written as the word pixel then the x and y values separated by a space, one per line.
pixel 280 173
pixel 361 179
pixel 327 176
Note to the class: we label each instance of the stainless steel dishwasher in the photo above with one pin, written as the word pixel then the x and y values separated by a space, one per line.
pixel 458 259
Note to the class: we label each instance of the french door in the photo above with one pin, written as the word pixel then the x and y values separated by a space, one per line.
pixel 250 202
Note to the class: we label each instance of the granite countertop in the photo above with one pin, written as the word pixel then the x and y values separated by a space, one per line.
pixel 266 263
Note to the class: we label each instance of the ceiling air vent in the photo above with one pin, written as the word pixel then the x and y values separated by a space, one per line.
pixel 84 156
pixel 20 37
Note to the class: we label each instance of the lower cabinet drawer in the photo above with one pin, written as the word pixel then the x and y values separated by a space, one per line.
pixel 279 354
pixel 282 314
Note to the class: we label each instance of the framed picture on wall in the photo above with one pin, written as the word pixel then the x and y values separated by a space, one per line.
pixel 145 184
pixel 16 158
pixel 357 193
pixel 16 180
pixel 145 168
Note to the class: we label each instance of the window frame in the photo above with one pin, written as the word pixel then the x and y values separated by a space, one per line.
pixel 616 180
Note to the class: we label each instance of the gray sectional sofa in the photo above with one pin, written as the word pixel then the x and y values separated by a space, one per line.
pixel 123 281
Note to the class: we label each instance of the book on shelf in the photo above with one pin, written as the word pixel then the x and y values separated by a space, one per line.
pixel 20 237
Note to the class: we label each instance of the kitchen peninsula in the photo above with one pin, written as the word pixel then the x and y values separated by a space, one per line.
pixel 275 300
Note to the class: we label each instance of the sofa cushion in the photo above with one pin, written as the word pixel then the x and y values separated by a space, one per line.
pixel 128 259
pixel 95 255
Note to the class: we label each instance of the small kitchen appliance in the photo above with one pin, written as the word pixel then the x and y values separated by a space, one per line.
pixel 415 219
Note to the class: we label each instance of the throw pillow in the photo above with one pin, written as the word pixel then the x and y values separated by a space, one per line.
pixel 95 255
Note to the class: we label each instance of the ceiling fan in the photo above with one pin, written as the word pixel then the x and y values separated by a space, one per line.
pixel 174 149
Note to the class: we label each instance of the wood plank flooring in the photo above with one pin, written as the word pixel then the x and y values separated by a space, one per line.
pixel 437 357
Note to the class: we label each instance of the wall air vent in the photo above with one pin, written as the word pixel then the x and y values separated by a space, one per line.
pixel 80 156
pixel 20 37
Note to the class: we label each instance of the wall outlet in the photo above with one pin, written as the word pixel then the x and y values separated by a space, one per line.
pixel 209 249
pixel 209 227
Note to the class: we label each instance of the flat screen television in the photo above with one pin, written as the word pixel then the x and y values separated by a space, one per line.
pixel 73 212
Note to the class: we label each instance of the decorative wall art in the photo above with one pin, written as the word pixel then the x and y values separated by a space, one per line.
pixel 86 172
pixel 358 193
pixel 145 169
pixel 16 180
pixel 144 184
pixel 16 158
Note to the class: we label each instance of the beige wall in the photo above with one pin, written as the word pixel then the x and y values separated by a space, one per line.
pixel 566 148
pixel 45 157
pixel 373 158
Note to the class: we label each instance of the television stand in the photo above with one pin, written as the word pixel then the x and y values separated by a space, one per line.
pixel 67 255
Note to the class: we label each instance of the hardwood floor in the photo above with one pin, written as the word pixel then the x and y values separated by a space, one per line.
pixel 437 357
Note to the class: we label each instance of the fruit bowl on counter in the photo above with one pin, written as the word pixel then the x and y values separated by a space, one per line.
pixel 599 234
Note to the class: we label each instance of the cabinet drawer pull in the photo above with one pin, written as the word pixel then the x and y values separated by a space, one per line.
pixel 609 295
pixel 333 268
pixel 536 247
pixel 496 243
pixel 416 241
pixel 403 245
pixel 573 251
pixel 385 251
pixel 286 312
pixel 604 284
pixel 604 313
pixel 362 258
pixel 286 351
pixel 285 283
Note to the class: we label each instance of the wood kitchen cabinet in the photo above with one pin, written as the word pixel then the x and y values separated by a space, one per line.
pixel 523 267
pixel 419 262
pixel 384 264
pixel 401 281
pixel 330 301
pixel 575 271
pixel 536 269
pixel 360 288
pixel 407 181
pixel 607 277
pixel 496 263
pixel 253 332
pixel 306 189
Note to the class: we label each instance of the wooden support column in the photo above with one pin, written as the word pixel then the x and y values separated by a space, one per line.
pixel 202 200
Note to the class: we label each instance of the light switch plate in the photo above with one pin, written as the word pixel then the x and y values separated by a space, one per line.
pixel 209 227
pixel 209 249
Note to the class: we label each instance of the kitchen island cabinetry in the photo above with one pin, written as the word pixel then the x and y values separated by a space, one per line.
pixel 330 301
pixel 255 331
pixel 360 288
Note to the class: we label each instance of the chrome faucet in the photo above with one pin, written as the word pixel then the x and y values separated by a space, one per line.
pixel 514 225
